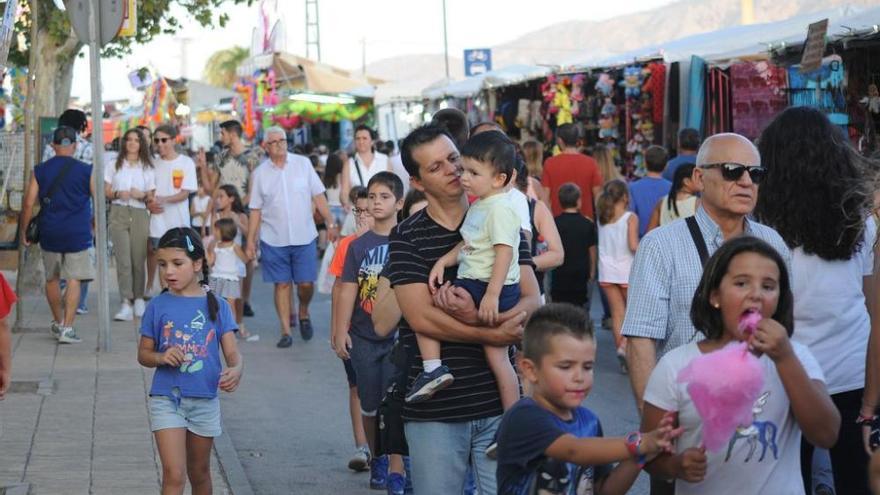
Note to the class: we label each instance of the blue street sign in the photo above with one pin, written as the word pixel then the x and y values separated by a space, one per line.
pixel 477 61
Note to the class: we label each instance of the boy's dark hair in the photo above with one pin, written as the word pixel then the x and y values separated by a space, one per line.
pixel 493 148
pixel 569 194
pixel 455 122
pixel 688 139
pixel 74 118
pixel 551 320
pixel 356 193
pixel 706 318
pixel 568 134
pixel 167 129
pixel 233 126
pixel 418 137
pixel 493 126
pixel 226 229
pixel 655 158
pixel 190 242
pixel 412 197
pixel 389 180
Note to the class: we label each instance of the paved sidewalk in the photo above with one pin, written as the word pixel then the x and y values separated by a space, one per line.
pixel 76 420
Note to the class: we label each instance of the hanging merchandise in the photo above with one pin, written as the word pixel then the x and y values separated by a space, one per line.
pixel 824 89
pixel 655 88
pixel 632 81
pixel 634 118
pixel 577 95
pixel 608 122
pixel 158 104
pixel 757 95
pixel 605 85
pixel 245 105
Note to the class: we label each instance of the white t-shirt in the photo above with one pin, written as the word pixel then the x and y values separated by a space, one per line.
pixel 127 177
pixel 520 203
pixel 284 197
pixel 830 316
pixel 171 178
pixel 761 458
pixel 380 164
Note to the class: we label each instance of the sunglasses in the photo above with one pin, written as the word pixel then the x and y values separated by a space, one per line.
pixel 733 171
pixel 161 140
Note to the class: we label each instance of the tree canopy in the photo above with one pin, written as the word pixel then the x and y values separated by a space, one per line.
pixel 220 67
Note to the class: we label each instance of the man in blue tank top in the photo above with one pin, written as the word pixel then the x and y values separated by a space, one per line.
pixel 65 228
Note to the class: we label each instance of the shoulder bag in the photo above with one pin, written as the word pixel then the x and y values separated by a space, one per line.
pixel 32 232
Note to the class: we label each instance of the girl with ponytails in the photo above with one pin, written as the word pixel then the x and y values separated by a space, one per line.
pixel 682 201
pixel 182 333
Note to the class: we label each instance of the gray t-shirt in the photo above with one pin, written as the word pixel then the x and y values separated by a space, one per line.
pixel 364 261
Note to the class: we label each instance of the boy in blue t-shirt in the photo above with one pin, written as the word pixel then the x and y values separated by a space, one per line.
pixel 548 443
pixel 354 335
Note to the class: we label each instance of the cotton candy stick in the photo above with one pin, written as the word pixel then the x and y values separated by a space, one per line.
pixel 723 386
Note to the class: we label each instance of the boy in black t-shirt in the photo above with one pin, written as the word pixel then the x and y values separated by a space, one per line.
pixel 548 444
pixel 579 239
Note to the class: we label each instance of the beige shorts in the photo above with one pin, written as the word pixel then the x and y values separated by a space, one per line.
pixel 68 266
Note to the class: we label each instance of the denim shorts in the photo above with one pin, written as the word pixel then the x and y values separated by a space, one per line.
pixel 508 298
pixel 285 264
pixel 371 361
pixel 197 415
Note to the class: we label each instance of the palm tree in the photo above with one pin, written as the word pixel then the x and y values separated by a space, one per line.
pixel 220 67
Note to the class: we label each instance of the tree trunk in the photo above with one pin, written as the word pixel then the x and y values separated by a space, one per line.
pixel 54 72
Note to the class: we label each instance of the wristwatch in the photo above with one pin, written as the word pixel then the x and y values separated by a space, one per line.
pixel 633 443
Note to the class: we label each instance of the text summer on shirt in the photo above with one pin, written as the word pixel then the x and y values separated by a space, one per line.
pixel 184 322
pixel 414 246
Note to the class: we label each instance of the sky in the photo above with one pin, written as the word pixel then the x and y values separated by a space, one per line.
pixel 388 28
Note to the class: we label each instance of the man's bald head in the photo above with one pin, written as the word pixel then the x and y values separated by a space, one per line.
pixel 728 148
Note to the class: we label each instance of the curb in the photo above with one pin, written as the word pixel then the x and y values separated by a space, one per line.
pixel 231 465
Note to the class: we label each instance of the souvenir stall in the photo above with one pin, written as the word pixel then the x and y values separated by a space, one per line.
pixel 619 106
pixel 845 87
pixel 508 96
pixel 315 102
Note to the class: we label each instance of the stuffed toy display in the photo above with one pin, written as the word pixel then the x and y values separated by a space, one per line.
pixel 608 120
pixel 604 85
pixel 577 95
pixel 632 81
pixel 562 102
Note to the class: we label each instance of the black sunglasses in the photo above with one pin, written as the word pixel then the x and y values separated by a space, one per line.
pixel 161 140
pixel 733 171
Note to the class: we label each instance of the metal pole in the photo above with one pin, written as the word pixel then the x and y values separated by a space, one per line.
pixel 100 201
pixel 31 151
pixel 445 41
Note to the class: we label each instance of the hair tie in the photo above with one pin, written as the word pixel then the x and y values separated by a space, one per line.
pixel 189 245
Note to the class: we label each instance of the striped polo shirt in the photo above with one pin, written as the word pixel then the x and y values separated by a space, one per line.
pixel 414 246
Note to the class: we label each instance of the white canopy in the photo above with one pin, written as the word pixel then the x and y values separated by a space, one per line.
pixel 739 41
pixel 505 76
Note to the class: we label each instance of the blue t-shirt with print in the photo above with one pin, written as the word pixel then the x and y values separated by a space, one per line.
pixel 525 433
pixel 364 261
pixel 183 322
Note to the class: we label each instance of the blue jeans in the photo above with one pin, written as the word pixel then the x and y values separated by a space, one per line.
pixel 441 452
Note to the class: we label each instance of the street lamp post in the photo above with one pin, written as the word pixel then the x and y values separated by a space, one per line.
pixel 445 41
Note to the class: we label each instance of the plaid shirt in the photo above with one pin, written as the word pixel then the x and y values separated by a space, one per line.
pixel 665 276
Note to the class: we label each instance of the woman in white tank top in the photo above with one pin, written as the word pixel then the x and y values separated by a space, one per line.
pixel 618 239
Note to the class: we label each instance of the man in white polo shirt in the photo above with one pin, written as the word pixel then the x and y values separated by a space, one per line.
pixel 283 188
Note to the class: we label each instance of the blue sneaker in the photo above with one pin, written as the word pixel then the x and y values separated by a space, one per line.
pixel 408 489
pixel 379 473
pixel 396 484
pixel 427 384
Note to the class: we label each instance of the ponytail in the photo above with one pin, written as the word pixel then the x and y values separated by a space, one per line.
pixel 213 305
pixel 613 192
pixel 681 173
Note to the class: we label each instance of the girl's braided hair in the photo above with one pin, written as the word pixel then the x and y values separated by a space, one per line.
pixel 189 241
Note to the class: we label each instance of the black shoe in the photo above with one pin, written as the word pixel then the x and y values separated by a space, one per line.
pixel 305 328
pixel 248 311
pixel 284 342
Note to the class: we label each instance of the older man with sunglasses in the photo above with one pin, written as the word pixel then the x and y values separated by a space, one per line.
pixel 669 261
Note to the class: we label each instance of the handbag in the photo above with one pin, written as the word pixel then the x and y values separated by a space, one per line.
pixel 32 231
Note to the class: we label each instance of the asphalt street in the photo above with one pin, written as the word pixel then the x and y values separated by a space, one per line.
pixel 289 420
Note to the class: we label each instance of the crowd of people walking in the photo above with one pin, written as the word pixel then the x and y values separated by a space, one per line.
pixel 462 267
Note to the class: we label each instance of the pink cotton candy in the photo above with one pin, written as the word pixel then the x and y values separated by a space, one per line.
pixel 723 385
pixel 748 322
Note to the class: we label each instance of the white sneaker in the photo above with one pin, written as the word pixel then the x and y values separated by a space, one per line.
pixel 125 312
pixel 68 336
pixel 139 308
pixel 55 329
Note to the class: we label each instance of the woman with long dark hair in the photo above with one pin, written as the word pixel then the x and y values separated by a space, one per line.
pixel 129 185
pixel 815 195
